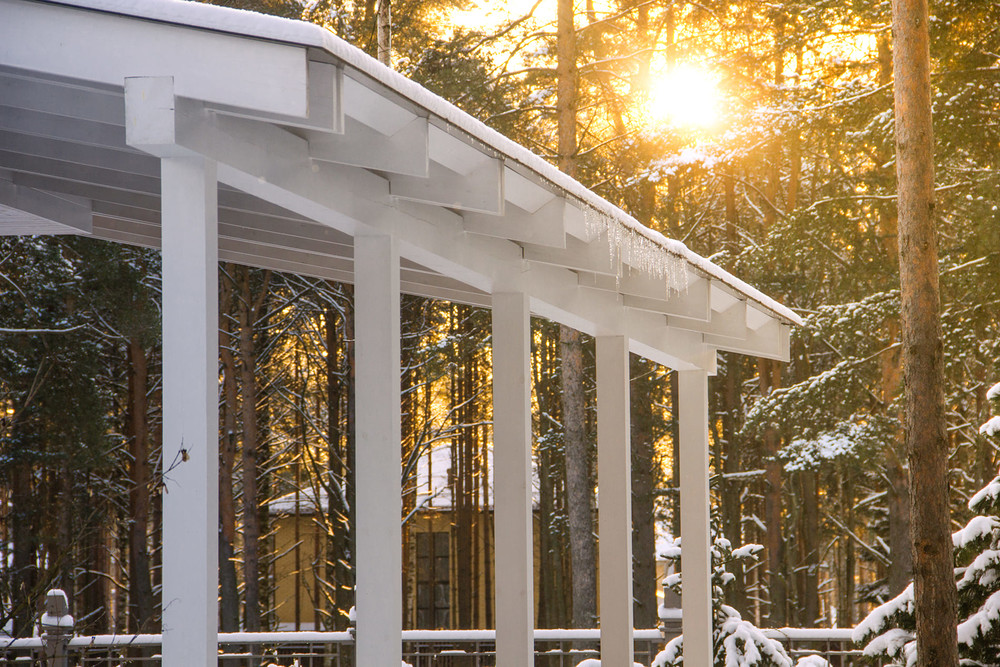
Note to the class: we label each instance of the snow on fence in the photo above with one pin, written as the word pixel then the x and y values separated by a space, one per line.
pixel 421 648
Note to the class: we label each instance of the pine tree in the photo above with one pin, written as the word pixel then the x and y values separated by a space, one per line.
pixel 889 631
pixel 736 642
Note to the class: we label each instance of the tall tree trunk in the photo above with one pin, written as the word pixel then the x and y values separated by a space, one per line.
pixel 730 501
pixel 644 476
pixel 811 548
pixel 25 556
pixel 249 310
pixel 384 32
pixel 229 600
pixel 770 379
pixel 140 584
pixel 901 570
pixel 339 554
pixel 579 484
pixel 923 364
pixel 346 594
pixel 579 481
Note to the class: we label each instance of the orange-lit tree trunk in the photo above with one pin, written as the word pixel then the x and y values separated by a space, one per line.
pixel 229 602
pixel 923 359
pixel 579 489
pixel 140 585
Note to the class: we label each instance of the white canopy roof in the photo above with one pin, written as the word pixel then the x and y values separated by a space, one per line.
pixel 316 142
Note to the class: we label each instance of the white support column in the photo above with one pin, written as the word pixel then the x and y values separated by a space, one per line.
pixel 696 598
pixel 614 500
pixel 512 481
pixel 378 560
pixel 190 412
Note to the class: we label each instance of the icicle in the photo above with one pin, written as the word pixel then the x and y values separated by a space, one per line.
pixel 628 246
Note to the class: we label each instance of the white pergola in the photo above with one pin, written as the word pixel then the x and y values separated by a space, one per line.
pixel 215 134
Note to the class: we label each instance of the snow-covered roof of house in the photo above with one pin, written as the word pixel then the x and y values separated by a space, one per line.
pixel 316 142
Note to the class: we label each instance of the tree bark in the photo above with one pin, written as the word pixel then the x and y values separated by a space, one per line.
pixel 339 555
pixel 770 379
pixel 579 481
pixel 140 585
pixel 923 364
pixel 384 32
pixel 579 478
pixel 249 311
pixel 229 600
pixel 644 477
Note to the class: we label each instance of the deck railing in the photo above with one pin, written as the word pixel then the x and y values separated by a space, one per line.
pixel 421 648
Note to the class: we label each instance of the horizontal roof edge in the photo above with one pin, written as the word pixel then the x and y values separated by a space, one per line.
pixel 259 26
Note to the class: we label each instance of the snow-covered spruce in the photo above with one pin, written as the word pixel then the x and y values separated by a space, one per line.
pixel 889 630
pixel 735 642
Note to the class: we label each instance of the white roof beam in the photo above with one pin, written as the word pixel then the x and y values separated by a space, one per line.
pixel 771 341
pixel 543 227
pixel 731 322
pixel 525 193
pixel 647 293
pixel 591 257
pixel 221 69
pixel 324 108
pixel 268 164
pixel 19 89
pixel 412 281
pixel 403 152
pixel 480 190
pixel 372 108
pixel 29 211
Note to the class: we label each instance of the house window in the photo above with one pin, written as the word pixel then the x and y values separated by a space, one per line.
pixel 432 581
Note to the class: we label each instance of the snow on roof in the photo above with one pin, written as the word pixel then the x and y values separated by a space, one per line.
pixel 252 24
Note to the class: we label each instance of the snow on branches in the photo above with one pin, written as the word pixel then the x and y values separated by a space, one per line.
pixel 888 631
pixel 736 642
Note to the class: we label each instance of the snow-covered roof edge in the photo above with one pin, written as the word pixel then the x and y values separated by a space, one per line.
pixel 262 26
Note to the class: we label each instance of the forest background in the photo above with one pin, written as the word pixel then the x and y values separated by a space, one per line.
pixel 786 178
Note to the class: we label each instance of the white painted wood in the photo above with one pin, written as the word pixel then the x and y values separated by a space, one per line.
pixel 190 413
pixel 542 227
pixel 696 598
pixel 210 66
pixel 372 108
pixel 512 471
pixel 771 340
pixel 379 496
pixel 614 500
pixel 30 211
pixel 454 150
pixel 479 190
pixel 324 104
pixel 731 322
pixel 525 193
pixel 403 152
pixel 255 158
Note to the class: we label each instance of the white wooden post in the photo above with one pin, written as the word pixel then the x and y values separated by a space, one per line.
pixel 696 598
pixel 378 560
pixel 614 500
pixel 190 411
pixel 513 552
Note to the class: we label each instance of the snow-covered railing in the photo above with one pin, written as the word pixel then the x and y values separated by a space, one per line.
pixel 421 648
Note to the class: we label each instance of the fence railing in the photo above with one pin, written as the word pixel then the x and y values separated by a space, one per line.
pixel 421 648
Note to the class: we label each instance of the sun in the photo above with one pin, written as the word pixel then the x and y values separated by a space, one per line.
pixel 686 97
